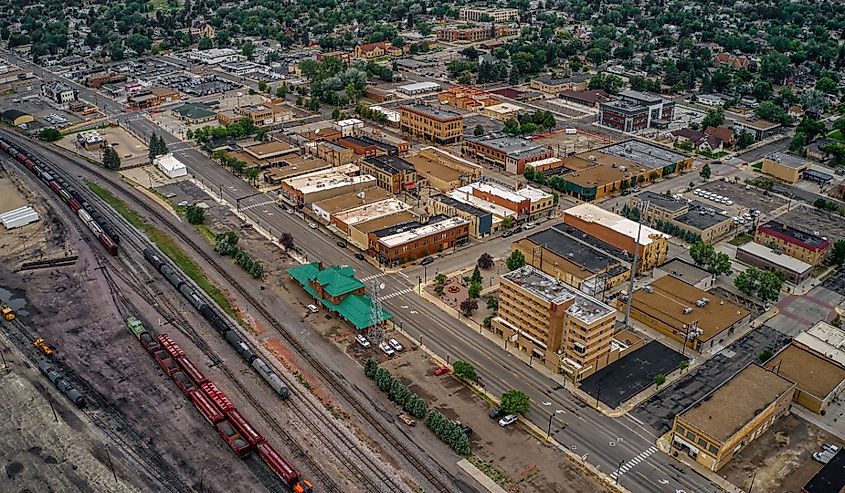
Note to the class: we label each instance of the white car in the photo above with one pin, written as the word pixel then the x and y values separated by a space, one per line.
pixel 507 420
pixel 395 344
pixel 362 340
pixel 386 349
pixel 830 448
pixel 312 308
pixel 529 225
pixel 313 225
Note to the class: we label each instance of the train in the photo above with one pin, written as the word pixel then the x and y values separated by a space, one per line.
pixel 92 219
pixel 219 323
pixel 214 406
pixel 63 385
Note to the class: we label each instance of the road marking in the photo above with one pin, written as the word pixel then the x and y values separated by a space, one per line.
pixel 372 277
pixel 396 293
pixel 253 206
pixel 642 456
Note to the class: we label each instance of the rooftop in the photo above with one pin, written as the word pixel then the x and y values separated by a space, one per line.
pixel 372 210
pixel 465 195
pixel 462 206
pixel 793 235
pixel 584 307
pixel 428 229
pixel 825 339
pixel 390 164
pixel 352 200
pixel 194 111
pixel 595 214
pixel 594 242
pixel 789 263
pixel 663 201
pixel 642 97
pixel 420 86
pixel 503 108
pixel 644 154
pixel 810 372
pixel 758 124
pixel 386 222
pixel 573 250
pixel 732 405
pixel 675 302
pixel 268 149
pixel 431 111
pixel 787 160
pixel 831 479
pixel 702 216
pixel 685 271
pixel 516 147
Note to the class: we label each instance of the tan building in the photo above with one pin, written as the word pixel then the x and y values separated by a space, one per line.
pixel 324 184
pixel 492 14
pixel 569 331
pixel 480 221
pixel 357 223
pixel 393 174
pixel 806 247
pixel 333 153
pixel 467 97
pixel 551 85
pixel 325 209
pixel 271 153
pixel 718 426
pixel 784 167
pixel 437 125
pixel 153 97
pixel 369 51
pixel 620 233
pixel 685 313
pixel 818 379
pixel 262 115
pixel 292 166
pixel 706 221
pixel 442 170
pixel 503 111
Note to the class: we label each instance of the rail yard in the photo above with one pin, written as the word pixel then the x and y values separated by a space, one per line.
pixel 124 321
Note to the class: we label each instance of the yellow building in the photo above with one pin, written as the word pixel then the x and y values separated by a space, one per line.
pixel 442 170
pixel 503 111
pixel 784 167
pixel 818 379
pixel 704 220
pixel 432 124
pixel 567 330
pixel 719 425
pixel 807 247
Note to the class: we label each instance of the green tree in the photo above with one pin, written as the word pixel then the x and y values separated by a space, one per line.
pixel 370 367
pixel 702 253
pixel 659 380
pixel 479 130
pixel 507 222
pixel 744 139
pixel 705 171
pixel 464 370
pixel 720 264
pixel 195 214
pixel 714 118
pixel 515 260
pixel 262 86
pixel 827 85
pixel 837 252
pixel 50 135
pixel 770 284
pixel 476 276
pixel 204 43
pixel 683 365
pixel 282 91
pixel 474 291
pixel 485 261
pixel 515 402
pixel 747 281
pixel 492 303
pixel 111 159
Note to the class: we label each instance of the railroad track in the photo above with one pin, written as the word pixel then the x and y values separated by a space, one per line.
pixel 340 443
pixel 373 419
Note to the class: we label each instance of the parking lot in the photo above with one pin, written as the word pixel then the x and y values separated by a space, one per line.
pixel 814 221
pixel 623 379
pixel 45 114
pixel 471 120
pixel 660 410
pixel 836 282
pixel 748 199
pixel 197 86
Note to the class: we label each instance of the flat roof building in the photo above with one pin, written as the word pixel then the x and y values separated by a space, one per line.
pixel 696 220
pixel 393 174
pixel 763 257
pixel 620 232
pixel 527 202
pixel 824 338
pixel 634 111
pixel 686 272
pixel 719 425
pixel 170 166
pixel 320 185
pixel 434 124
pixel 807 247
pixel 443 170
pixel 685 313
pixel 784 166
pixel 419 88
pixel 566 329
pixel 818 380
pixel 398 245
pixel 480 220
pixel 508 153
pixel 335 205
pixel 292 166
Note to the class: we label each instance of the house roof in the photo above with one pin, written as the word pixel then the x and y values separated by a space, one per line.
pixel 721 133
pixel 338 280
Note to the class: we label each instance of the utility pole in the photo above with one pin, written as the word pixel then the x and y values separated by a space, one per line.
pixel 643 207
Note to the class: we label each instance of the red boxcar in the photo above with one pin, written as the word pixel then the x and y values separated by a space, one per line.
pixel 217 397
pixel 190 370
pixel 183 382
pixel 55 186
pixel 277 463
pixel 207 408
pixel 170 346
pixel 244 428
pixel 108 243
pixel 232 438
pixel 74 204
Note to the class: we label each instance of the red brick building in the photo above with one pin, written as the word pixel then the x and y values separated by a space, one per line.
pixel 406 242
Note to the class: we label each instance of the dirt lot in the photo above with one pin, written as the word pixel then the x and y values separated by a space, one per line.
pixel 131 150
pixel 781 458
pixel 526 465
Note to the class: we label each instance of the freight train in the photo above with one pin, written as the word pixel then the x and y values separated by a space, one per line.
pixel 218 323
pixel 214 406
pixel 63 385
pixel 87 214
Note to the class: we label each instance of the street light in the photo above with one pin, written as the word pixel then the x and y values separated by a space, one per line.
pixel 619 469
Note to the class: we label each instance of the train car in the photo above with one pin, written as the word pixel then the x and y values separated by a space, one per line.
pixel 207 408
pixel 165 362
pixel 215 320
pixel 217 397
pixel 191 295
pixel 136 327
pixel 54 185
pixel 170 274
pixel 171 347
pixel 232 438
pixel 244 428
pixel 63 385
pixel 149 342
pixel 183 382
pixel 193 373
pixel 241 347
pixel 153 258
pixel 108 244
pixel 74 204
pixel 63 194
pixel 271 378
pixel 283 469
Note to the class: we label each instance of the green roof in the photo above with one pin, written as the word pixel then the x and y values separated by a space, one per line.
pixel 338 280
pixel 194 111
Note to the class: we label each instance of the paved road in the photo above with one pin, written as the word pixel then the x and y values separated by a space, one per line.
pixel 605 442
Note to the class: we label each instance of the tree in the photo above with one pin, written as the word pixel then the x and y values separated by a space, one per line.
pixel 768 110
pixel 476 276
pixel 814 101
pixel 468 306
pixel 515 260
pixel 744 139
pixel 714 118
pixel 262 86
pixel 195 214
pixel 282 91
pixel 111 159
pixel 507 222
pixel 439 284
pixel 370 367
pixel 683 365
pixel 479 130
pixel 286 240
pixel 464 370
pixel 827 85
pixel 775 67
pixel 705 171
pixel 50 135
pixel 205 43
pixel 515 402
pixel 492 303
pixel 837 253
pixel 474 291
pixel 764 284
pixel 659 380
pixel 485 261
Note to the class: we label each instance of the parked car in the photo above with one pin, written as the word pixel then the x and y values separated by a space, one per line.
pixel 408 420
pixel 395 344
pixel 496 413
pixel 360 256
pixel 824 456
pixel 362 340
pixel 529 225
pixel 312 308
pixel 465 429
pixel 507 420
pixel 386 349
pixel 313 225
pixel 829 447
pixel 426 261
pixel 507 234
pixel 442 370
pixel 341 244
pixel 518 230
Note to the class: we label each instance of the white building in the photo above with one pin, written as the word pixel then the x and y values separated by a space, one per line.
pixel 170 166
pixel 59 92
pixel 710 99
pixel 419 88
pixel 347 128
pixel 215 56
pixel 16 218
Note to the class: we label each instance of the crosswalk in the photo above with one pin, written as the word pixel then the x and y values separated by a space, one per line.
pixel 259 204
pixel 372 277
pixel 634 462
pixel 397 293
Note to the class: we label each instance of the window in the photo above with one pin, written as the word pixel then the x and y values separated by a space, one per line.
pixel 690 435
pixel 713 449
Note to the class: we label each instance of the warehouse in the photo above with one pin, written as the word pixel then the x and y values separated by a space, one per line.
pixel 170 166
pixel 19 217
pixel 818 380
pixel 763 257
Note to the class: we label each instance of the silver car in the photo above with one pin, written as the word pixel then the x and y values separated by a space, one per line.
pixel 507 420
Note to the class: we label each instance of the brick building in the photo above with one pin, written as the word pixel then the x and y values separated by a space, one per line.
pixel 393 174
pixel 807 247
pixel 403 243
pixel 509 153
pixel 432 124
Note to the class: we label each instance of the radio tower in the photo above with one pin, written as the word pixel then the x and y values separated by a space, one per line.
pixel 375 332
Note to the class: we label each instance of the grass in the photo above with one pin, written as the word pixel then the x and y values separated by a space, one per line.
pixel 488 469
pixel 836 135
pixel 169 247
pixel 741 239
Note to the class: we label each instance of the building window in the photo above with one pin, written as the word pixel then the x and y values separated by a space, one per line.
pixel 713 449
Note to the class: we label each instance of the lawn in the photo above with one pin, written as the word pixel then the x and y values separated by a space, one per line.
pixel 741 239
pixel 836 135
